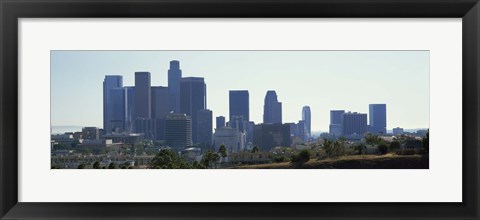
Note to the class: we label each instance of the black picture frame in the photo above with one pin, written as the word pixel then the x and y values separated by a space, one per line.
pixel 12 10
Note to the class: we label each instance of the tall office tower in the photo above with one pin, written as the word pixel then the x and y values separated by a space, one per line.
pixel 109 83
pixel 130 106
pixel 118 98
pixel 302 130
pixel 378 118
pixel 239 104
pixel 160 109
pixel 174 78
pixel 204 127
pixel 272 109
pixel 354 123
pixel 249 129
pixel 143 100
pixel 220 122
pixel 307 117
pixel 336 122
pixel 193 97
pixel 178 131
pixel 268 136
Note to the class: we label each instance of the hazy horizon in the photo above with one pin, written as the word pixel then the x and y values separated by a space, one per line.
pixel 323 80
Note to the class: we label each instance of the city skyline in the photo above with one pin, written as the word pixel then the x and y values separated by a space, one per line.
pixel 413 95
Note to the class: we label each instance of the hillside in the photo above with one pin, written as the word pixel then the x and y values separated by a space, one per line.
pixel 389 161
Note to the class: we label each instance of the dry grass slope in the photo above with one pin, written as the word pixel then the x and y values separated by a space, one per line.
pixel 388 161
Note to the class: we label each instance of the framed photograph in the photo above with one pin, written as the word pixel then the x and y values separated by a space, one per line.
pixel 226 109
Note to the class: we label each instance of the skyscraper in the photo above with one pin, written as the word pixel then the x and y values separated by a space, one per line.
pixel 118 98
pixel 143 95
pixel 204 127
pixel 160 109
pixel 109 83
pixel 307 118
pixel 130 106
pixel 239 104
pixel 220 122
pixel 336 122
pixel 378 118
pixel 178 131
pixel 272 109
pixel 354 123
pixel 302 130
pixel 174 78
pixel 193 97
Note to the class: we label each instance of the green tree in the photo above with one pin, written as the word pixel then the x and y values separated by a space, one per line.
pixel 301 157
pixel 394 145
pixel 255 149
pixel 360 149
pixel 373 139
pixel 96 165
pixel 223 151
pixel 382 148
pixel 81 166
pixel 334 148
pixel 209 159
pixel 168 159
pixel 112 166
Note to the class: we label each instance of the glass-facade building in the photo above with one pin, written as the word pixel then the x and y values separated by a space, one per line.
pixel 160 109
pixel 239 104
pixel 354 123
pixel 178 131
pixel 204 127
pixel 193 97
pixel 272 109
pixel 174 78
pixel 109 83
pixel 378 118
pixel 307 118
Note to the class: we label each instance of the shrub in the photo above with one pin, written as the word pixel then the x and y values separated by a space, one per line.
pixel 382 148
pixel 394 145
pixel 301 157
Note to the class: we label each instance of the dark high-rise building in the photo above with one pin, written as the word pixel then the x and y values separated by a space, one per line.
pixel 109 83
pixel 193 97
pixel 130 106
pixel 220 122
pixel 272 109
pixel 249 130
pixel 90 133
pixel 307 118
pixel 160 109
pixel 354 123
pixel 238 123
pixel 268 136
pixel 174 78
pixel 378 118
pixel 336 122
pixel 143 105
pixel 118 99
pixel 302 130
pixel 239 104
pixel 204 127
pixel 178 131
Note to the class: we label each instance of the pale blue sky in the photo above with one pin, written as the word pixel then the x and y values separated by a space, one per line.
pixel 324 80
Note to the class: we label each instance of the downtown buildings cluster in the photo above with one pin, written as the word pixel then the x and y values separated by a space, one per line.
pixel 178 115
